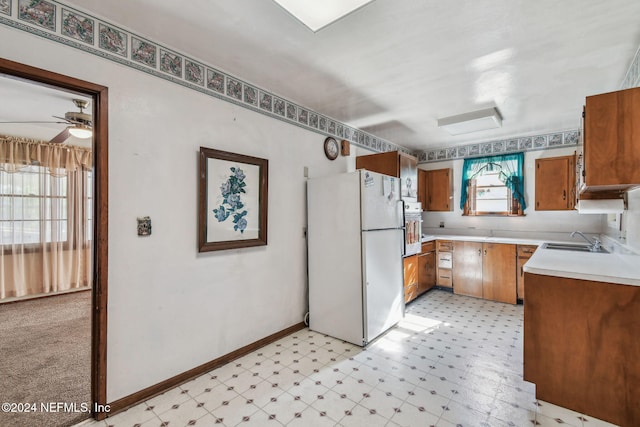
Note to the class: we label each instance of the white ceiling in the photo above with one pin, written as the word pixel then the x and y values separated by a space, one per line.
pixel 392 68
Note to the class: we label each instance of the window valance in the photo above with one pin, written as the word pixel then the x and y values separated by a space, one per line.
pixel 16 153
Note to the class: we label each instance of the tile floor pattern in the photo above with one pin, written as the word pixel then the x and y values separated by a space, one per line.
pixel 452 361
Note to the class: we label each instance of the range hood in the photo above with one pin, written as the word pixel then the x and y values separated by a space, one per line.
pixel 603 206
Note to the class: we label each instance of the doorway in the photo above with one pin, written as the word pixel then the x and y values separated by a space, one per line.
pixel 98 251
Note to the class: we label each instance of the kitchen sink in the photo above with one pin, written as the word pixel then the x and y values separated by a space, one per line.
pixel 573 247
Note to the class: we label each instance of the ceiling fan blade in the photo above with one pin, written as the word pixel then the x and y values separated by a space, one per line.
pixel 72 121
pixel 62 118
pixel 61 137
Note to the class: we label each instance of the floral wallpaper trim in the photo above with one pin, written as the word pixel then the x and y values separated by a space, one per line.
pixel 66 25
pixel 511 145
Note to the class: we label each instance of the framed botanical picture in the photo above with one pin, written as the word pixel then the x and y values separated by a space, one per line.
pixel 232 211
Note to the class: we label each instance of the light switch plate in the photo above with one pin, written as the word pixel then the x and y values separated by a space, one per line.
pixel 144 226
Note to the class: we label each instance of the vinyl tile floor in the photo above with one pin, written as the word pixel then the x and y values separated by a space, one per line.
pixel 452 361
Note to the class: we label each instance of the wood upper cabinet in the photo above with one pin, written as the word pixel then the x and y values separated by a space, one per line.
pixel 394 163
pixel 435 190
pixel 410 277
pixel 485 270
pixel 556 183
pixel 422 188
pixel 426 268
pixel 612 141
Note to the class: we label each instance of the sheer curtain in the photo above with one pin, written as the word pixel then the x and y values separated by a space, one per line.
pixel 511 168
pixel 45 213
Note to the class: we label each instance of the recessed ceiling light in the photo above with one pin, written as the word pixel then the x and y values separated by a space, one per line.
pixel 474 121
pixel 317 14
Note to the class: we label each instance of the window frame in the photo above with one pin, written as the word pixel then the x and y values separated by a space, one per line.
pixel 68 243
pixel 514 209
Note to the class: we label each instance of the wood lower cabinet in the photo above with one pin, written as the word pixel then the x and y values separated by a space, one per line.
pixel 467 257
pixel 444 266
pixel 581 346
pixel 426 268
pixel 524 253
pixel 410 278
pixel 419 272
pixel 485 270
pixel 556 183
pixel 499 272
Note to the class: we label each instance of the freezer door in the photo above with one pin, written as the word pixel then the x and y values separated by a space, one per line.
pixel 381 204
pixel 383 290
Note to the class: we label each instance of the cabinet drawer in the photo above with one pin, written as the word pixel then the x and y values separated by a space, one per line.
pixel 428 246
pixel 445 260
pixel 525 251
pixel 445 245
pixel 444 278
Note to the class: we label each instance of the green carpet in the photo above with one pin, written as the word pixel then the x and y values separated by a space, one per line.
pixel 45 358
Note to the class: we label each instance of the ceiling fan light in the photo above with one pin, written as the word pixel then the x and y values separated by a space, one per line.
pixel 80 131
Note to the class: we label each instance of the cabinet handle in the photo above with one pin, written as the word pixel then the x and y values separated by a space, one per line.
pixel 485 252
pixel 479 252
pixel 521 271
pixel 564 194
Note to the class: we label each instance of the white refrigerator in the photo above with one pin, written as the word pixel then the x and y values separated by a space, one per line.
pixel 355 245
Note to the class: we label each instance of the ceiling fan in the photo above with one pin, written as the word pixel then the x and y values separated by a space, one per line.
pixel 80 123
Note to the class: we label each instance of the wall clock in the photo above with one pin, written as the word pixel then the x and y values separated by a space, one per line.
pixel 331 148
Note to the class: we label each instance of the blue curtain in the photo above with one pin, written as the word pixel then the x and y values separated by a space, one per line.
pixel 511 168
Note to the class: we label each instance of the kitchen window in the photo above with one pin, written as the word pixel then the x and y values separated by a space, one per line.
pixel 493 185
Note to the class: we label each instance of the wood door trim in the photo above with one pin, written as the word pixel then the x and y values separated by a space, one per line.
pixel 100 238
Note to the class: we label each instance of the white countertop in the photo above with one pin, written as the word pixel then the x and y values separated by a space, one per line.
pixel 619 266
pixel 599 267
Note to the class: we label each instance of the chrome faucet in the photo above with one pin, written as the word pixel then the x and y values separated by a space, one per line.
pixel 594 245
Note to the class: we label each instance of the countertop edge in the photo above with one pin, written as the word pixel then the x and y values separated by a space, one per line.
pixel 574 265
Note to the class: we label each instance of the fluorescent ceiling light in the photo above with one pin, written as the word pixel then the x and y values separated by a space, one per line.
pixel 471 122
pixel 317 14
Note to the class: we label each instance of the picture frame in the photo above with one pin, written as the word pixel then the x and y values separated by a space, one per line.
pixel 232 200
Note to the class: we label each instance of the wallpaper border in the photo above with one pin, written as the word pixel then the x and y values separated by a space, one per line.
pixel 81 30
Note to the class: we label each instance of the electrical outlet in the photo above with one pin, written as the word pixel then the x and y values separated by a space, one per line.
pixel 441 224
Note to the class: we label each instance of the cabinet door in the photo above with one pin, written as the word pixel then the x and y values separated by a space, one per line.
pixel 499 272
pixel 408 176
pixel 524 253
pixel 439 190
pixel 612 138
pixel 410 277
pixel 426 271
pixel 422 188
pixel 385 163
pixel 467 271
pixel 555 183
